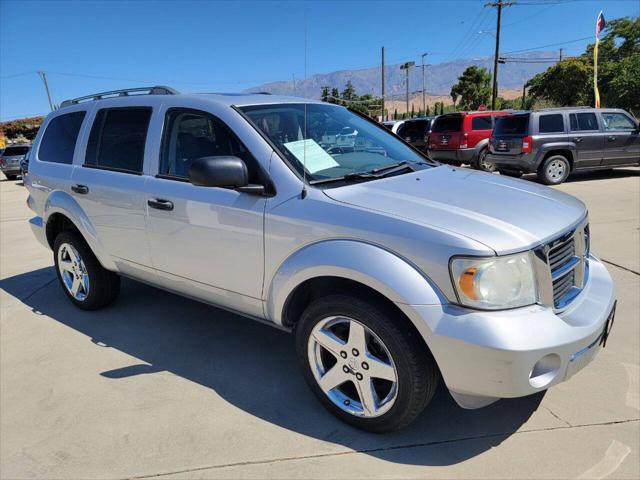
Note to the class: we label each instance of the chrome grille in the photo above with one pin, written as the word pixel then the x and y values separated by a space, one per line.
pixel 565 260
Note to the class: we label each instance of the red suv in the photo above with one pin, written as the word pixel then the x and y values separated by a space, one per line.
pixel 463 137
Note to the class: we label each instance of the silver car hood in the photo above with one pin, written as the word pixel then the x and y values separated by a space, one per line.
pixel 505 214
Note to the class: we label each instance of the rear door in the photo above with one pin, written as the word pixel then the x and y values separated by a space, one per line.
pixel 588 137
pixel 109 184
pixel 622 141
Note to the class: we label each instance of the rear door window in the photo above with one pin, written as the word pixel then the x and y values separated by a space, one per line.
pixel 117 139
pixel 551 123
pixel 583 121
pixel 59 140
pixel 511 125
pixel 444 124
pixel 481 123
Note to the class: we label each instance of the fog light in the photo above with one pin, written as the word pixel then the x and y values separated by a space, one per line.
pixel 544 371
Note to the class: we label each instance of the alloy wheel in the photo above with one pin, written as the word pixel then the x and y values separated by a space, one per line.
pixel 73 272
pixel 556 170
pixel 352 366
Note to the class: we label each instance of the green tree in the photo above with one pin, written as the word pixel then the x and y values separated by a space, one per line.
pixel 473 88
pixel 413 111
pixel 427 112
pixel 324 95
pixel 23 127
pixel 349 92
pixel 570 82
pixel 335 95
pixel 395 113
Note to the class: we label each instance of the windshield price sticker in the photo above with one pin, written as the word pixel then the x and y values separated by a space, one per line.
pixel 316 158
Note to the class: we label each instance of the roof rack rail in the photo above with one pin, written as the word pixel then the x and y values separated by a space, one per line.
pixel 125 92
pixel 551 109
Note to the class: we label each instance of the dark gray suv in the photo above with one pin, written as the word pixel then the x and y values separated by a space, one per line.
pixel 555 142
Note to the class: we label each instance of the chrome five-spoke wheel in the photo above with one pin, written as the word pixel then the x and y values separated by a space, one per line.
pixel 73 272
pixel 556 170
pixel 352 366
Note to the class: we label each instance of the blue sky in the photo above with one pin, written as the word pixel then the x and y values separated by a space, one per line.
pixel 89 46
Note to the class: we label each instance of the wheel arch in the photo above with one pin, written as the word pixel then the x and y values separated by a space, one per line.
pixel 62 212
pixel 567 150
pixel 326 267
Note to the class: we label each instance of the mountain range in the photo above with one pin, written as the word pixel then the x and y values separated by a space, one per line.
pixel 439 78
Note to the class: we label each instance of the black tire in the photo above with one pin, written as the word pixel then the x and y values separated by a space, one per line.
pixel 482 164
pixel 104 285
pixel 417 372
pixel 511 173
pixel 11 177
pixel 545 170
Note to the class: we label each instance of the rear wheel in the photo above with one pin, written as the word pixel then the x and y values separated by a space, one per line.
pixel 554 170
pixel 87 283
pixel 11 177
pixel 482 162
pixel 362 365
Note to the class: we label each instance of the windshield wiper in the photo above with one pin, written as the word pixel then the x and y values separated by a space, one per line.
pixel 370 175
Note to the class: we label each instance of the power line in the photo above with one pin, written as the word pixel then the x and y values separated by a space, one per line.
pixel 550 45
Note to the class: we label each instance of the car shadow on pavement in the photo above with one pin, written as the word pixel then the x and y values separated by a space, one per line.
pixel 253 366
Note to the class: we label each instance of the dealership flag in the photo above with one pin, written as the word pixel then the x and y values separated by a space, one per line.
pixel 600 23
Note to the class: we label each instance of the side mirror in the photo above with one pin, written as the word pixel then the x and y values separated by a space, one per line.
pixel 226 172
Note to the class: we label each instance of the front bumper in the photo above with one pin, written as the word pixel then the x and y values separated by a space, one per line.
pixel 457 156
pixel 484 356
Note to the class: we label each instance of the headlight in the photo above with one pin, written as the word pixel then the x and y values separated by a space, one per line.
pixel 495 283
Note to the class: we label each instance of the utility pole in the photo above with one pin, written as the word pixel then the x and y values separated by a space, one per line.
pixel 406 66
pixel 382 78
pixel 46 87
pixel 494 93
pixel 424 99
pixel 561 54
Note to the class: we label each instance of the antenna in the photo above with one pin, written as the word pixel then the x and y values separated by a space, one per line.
pixel 303 194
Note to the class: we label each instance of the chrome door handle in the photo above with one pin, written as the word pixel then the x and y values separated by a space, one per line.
pixel 611 138
pixel 82 189
pixel 160 204
pixel 577 139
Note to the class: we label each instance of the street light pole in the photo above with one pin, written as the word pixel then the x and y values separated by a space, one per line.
pixel 406 66
pixel 424 99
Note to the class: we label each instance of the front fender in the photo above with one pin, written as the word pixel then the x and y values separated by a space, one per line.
pixel 61 202
pixel 362 262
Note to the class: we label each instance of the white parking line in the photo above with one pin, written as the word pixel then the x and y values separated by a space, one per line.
pixel 613 458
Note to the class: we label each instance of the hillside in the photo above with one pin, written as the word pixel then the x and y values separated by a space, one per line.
pixel 439 78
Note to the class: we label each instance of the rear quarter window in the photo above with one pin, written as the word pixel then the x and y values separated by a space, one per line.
pixel 59 140
pixel 481 123
pixel 551 123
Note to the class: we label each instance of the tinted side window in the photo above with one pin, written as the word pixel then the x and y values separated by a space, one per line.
pixel 481 123
pixel 59 140
pixel 584 121
pixel 416 128
pixel 191 134
pixel 551 123
pixel 617 121
pixel 117 139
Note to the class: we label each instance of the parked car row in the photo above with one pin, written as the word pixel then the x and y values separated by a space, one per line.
pixel 552 143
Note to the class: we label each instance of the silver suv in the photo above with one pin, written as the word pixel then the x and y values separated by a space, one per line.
pixel 391 270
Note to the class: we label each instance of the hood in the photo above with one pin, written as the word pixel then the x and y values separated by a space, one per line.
pixel 505 214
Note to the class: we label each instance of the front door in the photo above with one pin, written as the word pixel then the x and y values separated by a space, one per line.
pixel 588 138
pixel 621 141
pixel 206 242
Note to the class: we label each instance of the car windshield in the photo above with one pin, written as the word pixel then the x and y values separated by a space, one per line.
pixel 327 141
pixel 511 125
pixel 447 123
pixel 14 151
